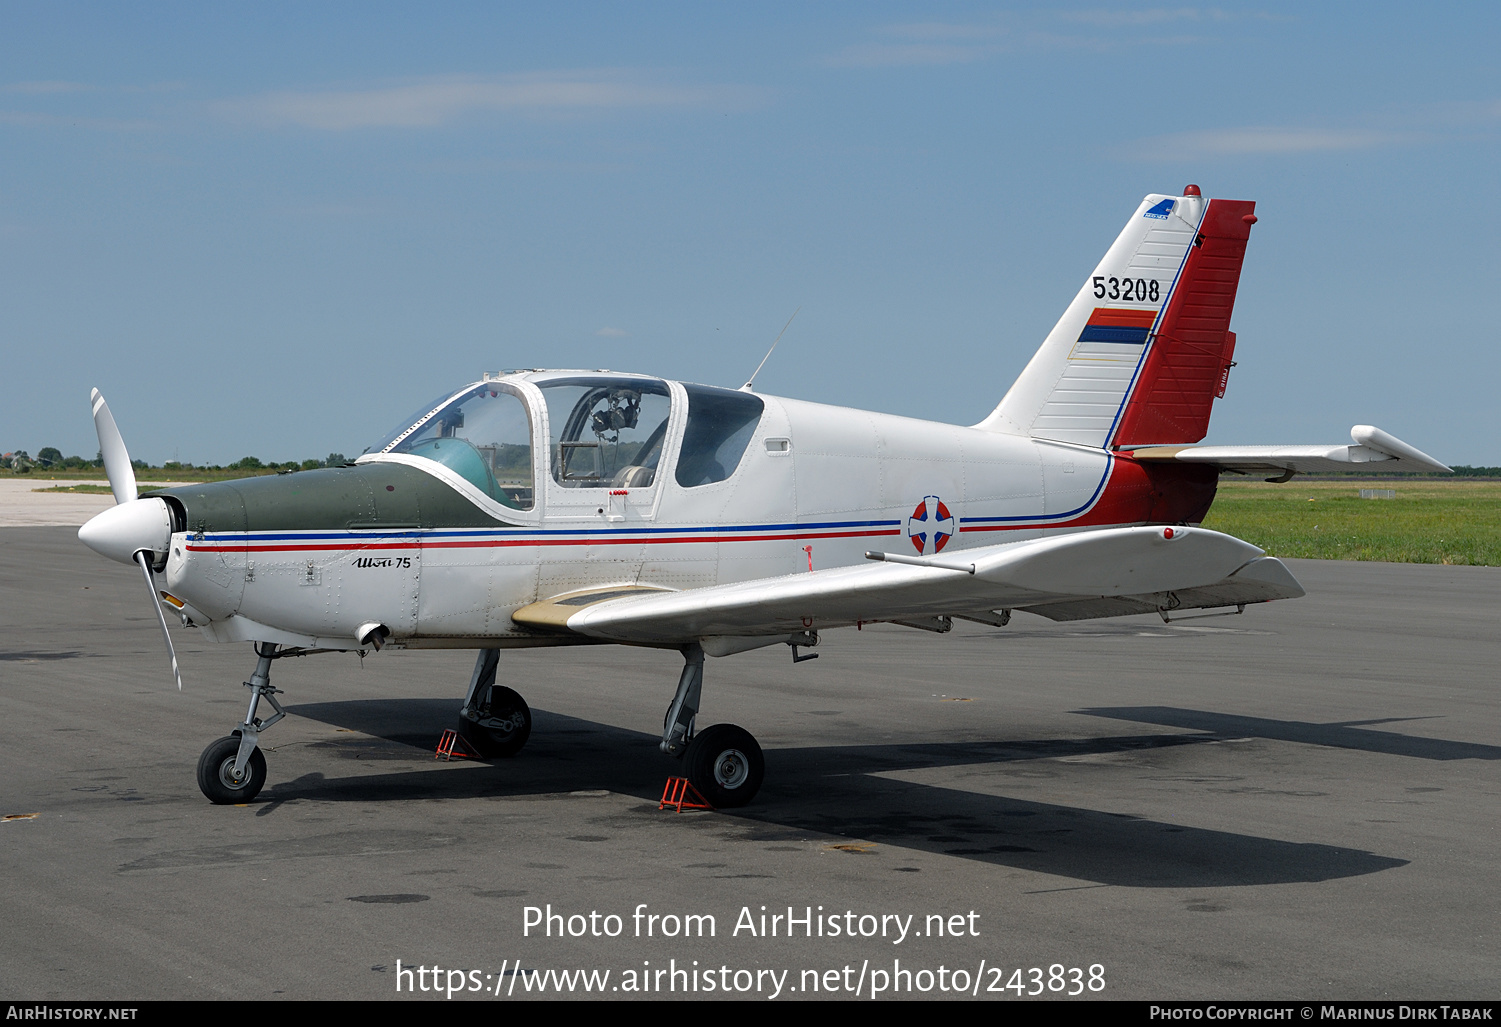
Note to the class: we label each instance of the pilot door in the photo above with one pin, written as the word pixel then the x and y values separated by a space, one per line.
pixel 606 440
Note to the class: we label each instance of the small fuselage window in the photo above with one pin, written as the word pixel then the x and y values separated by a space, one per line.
pixel 485 436
pixel 720 425
pixel 606 432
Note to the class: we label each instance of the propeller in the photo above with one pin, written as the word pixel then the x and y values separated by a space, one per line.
pixel 117 466
pixel 133 530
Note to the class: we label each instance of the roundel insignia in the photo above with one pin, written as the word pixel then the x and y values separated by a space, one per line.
pixel 931 526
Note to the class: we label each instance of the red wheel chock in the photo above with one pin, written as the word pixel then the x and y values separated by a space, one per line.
pixel 452 744
pixel 680 794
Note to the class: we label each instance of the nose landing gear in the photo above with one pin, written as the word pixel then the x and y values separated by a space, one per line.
pixel 232 769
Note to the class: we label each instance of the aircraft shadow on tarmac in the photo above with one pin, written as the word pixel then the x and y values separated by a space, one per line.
pixel 834 791
pixel 1350 734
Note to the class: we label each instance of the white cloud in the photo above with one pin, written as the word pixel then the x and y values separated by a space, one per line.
pixel 1259 140
pixel 1451 112
pixel 942 30
pixel 1150 16
pixel 1405 125
pixel 936 43
pixel 929 42
pixel 29 119
pixel 428 102
pixel 36 88
pixel 891 55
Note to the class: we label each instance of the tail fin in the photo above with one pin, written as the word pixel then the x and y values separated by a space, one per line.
pixel 1144 349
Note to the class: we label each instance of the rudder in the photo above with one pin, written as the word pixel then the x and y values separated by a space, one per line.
pixel 1188 363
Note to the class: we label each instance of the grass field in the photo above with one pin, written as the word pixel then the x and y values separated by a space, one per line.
pixel 93 490
pixel 1429 521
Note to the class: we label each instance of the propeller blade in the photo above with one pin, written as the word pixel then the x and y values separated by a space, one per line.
pixel 117 468
pixel 144 559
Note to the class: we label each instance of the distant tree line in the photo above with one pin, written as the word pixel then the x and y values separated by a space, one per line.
pixel 251 463
pixel 49 458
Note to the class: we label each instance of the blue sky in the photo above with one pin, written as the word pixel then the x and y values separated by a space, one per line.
pixel 275 229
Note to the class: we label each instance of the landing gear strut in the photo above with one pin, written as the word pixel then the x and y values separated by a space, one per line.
pixel 494 720
pixel 232 769
pixel 723 762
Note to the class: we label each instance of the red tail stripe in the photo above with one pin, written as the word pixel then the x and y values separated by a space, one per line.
pixel 1116 317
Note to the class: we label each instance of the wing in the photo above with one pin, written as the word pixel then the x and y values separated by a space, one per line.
pixel 1064 577
pixel 1374 450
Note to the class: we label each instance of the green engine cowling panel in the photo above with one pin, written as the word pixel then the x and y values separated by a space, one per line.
pixel 381 495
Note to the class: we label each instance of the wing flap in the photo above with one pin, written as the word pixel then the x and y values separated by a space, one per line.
pixel 1259 581
pixel 1083 566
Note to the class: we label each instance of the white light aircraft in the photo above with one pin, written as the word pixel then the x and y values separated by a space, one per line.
pixel 544 508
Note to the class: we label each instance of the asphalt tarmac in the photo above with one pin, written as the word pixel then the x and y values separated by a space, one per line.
pixel 1301 802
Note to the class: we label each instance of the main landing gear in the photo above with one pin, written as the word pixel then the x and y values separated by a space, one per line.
pixel 232 769
pixel 494 720
pixel 723 762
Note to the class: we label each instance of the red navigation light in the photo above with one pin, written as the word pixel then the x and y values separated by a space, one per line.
pixel 1191 190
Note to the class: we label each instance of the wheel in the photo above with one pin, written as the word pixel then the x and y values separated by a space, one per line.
pixel 505 724
pixel 725 765
pixel 216 772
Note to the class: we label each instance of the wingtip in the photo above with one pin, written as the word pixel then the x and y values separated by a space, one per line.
pixel 1371 437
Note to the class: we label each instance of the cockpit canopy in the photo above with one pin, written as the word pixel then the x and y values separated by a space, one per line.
pixel 604 432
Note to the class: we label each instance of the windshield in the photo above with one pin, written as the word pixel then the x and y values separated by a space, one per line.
pixel 406 426
pixel 485 435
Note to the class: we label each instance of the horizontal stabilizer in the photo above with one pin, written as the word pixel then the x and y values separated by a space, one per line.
pixel 1373 451
pixel 1152 567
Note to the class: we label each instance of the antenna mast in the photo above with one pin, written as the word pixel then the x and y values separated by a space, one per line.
pixel 747 386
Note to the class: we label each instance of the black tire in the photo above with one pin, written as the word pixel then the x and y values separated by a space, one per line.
pixel 491 742
pixel 216 772
pixel 726 766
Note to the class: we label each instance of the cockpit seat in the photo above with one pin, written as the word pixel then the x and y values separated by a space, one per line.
pixel 634 477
